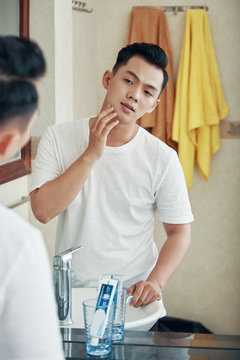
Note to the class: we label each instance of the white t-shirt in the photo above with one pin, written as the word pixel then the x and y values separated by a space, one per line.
pixel 113 214
pixel 28 317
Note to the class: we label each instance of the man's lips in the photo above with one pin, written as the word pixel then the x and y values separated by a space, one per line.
pixel 128 107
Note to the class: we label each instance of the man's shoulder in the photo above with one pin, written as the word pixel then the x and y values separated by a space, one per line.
pixel 69 126
pixel 155 144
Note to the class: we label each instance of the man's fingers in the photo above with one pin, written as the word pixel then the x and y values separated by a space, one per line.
pixel 144 293
pixel 106 123
pixel 109 127
pixel 148 299
pixel 108 110
pixel 138 292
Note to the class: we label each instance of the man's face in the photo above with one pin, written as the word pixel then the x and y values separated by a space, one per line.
pixel 133 90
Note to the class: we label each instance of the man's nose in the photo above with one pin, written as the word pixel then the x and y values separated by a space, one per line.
pixel 134 95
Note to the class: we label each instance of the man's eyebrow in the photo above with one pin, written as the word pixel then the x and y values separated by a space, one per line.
pixel 137 78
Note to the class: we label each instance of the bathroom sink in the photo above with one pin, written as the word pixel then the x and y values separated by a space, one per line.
pixel 136 319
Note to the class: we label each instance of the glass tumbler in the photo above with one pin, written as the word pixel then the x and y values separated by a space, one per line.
pixel 98 342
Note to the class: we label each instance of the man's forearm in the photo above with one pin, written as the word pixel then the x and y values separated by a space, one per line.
pixel 171 254
pixel 55 196
pixel 175 247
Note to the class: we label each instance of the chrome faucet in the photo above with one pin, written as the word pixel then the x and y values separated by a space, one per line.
pixel 62 264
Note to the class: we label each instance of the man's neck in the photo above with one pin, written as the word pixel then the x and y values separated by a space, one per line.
pixel 121 134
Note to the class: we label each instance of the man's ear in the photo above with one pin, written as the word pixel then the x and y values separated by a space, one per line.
pixel 154 106
pixel 107 76
pixel 7 140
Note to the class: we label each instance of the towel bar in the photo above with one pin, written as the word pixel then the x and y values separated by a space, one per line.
pixel 23 200
pixel 175 9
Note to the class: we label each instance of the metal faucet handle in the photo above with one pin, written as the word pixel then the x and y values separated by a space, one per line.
pixel 65 256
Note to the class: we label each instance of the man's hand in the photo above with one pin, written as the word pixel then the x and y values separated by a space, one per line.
pixel 144 292
pixel 100 126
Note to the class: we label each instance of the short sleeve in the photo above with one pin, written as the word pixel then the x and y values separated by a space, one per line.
pixel 47 165
pixel 172 200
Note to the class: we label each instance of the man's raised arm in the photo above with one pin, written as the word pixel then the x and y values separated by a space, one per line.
pixel 52 198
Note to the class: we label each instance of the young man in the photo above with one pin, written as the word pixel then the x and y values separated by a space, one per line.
pixel 29 325
pixel 104 177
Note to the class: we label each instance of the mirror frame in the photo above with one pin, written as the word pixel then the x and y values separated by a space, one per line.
pixel 21 167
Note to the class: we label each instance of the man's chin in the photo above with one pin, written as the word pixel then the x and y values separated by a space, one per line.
pixel 126 119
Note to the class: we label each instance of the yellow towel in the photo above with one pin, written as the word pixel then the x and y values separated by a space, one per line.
pixel 150 25
pixel 200 103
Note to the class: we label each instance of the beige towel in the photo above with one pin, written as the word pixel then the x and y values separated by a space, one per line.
pixel 150 25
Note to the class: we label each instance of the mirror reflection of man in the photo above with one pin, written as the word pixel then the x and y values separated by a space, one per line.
pixel 28 318
pixel 104 176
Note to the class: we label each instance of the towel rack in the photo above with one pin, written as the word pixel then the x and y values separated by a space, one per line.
pixel 81 6
pixel 175 9
pixel 19 202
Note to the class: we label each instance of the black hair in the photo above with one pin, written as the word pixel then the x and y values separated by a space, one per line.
pixel 21 57
pixel 18 101
pixel 150 52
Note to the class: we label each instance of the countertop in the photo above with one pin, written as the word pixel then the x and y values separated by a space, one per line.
pixel 154 345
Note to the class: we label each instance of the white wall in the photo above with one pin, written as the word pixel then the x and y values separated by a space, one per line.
pixel 85 64
pixel 9 17
pixel 12 192
pixel 51 27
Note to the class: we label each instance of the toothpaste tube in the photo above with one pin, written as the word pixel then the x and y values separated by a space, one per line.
pixel 118 295
pixel 105 299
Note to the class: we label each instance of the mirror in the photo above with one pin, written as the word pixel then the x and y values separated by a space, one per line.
pixel 18 11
